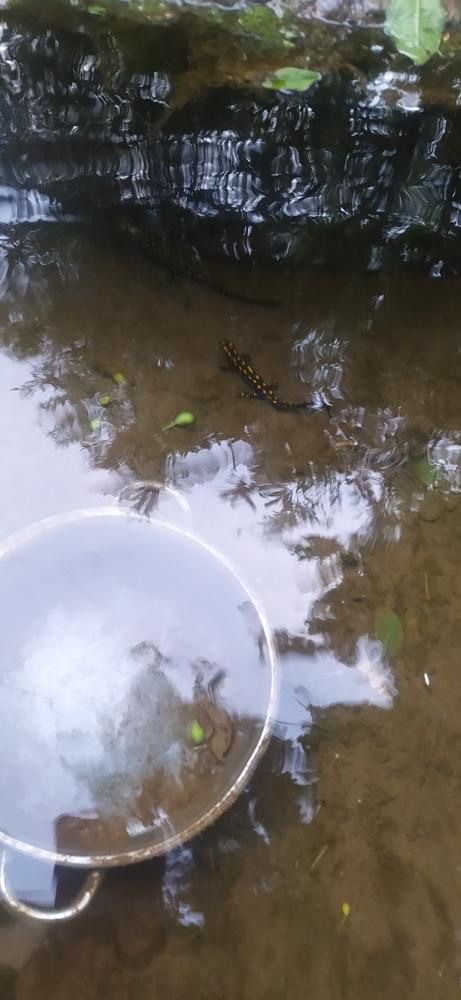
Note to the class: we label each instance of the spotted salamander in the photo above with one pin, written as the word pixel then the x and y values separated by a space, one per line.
pixel 261 389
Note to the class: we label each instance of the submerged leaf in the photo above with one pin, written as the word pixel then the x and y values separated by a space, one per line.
pixel 415 27
pixel 389 631
pixel 291 78
pixel 183 419
pixel 197 732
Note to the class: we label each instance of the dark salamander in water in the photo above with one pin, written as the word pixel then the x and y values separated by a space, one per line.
pixel 260 389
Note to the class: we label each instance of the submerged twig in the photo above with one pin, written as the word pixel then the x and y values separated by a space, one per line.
pixel 318 857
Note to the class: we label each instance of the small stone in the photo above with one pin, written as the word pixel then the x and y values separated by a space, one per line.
pixel 432 508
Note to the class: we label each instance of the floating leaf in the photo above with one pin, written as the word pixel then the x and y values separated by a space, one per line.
pixel 119 378
pixel 95 424
pixel 183 419
pixel 197 732
pixel 96 8
pixel 105 400
pixel 291 78
pixel 345 910
pixel 389 631
pixel 415 27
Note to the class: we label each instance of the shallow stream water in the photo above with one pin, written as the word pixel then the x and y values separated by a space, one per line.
pixel 335 517
pixel 336 873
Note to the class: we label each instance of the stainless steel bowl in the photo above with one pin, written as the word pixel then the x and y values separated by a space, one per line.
pixel 138 682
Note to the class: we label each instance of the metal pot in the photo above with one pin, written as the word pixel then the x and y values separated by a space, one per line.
pixel 138 681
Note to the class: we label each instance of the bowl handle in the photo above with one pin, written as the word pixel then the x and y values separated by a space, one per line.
pixel 81 901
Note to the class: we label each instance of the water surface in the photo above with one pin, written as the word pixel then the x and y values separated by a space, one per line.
pixel 332 518
pixel 344 521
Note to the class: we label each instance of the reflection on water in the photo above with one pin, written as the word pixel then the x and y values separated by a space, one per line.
pixel 111 659
pixel 334 519
pixel 331 519
pixel 120 122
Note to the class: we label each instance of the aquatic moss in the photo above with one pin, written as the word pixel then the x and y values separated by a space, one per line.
pixel 262 25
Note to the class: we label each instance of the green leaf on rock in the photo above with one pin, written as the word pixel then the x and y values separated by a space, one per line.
pixel 415 27
pixel 389 631
pixel 291 78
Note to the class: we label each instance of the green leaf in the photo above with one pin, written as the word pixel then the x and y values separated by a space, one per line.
pixel 183 419
pixel 415 27
pixel 389 631
pixel 291 78
pixel 197 732
pixel 261 23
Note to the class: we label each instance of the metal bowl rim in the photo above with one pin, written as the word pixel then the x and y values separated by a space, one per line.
pixel 22 537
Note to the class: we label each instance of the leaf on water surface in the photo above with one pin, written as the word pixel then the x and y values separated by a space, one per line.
pixel 119 378
pixel 345 910
pixel 415 27
pixel 105 400
pixel 389 631
pixel 95 424
pixel 291 78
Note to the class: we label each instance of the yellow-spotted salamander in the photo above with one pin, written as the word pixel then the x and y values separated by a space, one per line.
pixel 261 389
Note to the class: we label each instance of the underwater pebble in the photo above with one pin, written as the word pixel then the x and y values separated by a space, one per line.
pixel 432 508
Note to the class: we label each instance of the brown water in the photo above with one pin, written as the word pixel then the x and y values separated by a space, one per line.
pixel 332 519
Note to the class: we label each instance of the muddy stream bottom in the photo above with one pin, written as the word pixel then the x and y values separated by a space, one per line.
pixel 336 873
